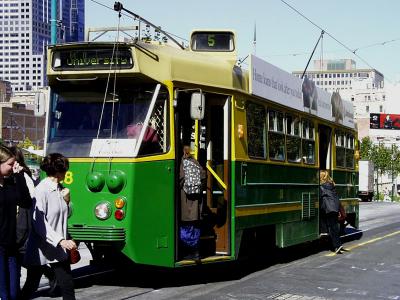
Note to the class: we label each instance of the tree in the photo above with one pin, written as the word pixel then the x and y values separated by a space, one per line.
pixel 382 158
pixel 367 148
pixel 385 159
pixel 26 144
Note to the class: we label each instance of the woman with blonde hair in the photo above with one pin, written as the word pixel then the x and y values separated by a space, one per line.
pixel 330 205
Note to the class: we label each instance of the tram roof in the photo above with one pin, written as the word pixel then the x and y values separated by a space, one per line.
pixel 165 62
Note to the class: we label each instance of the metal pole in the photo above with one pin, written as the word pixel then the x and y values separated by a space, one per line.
pixel 53 21
pixel 392 172
pixel 11 137
pixel 377 176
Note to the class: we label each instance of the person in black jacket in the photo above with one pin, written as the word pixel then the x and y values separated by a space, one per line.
pixel 24 222
pixel 330 204
pixel 13 193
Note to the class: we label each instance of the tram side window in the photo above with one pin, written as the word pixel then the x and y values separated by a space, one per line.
pixel 350 152
pixel 256 127
pixel 308 142
pixel 276 135
pixel 344 150
pixel 293 139
pixel 340 149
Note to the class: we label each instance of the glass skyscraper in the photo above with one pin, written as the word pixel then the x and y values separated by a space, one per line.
pixel 25 34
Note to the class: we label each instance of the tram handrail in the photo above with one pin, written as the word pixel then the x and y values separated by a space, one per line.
pixel 220 181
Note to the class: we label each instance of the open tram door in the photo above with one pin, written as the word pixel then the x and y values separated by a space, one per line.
pixel 325 147
pixel 325 159
pixel 209 139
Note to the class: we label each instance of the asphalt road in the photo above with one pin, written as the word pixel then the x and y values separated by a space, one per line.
pixel 369 271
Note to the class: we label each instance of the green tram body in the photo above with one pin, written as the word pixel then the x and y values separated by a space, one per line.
pixel 261 193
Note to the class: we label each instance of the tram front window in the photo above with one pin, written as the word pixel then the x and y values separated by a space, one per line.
pixel 80 114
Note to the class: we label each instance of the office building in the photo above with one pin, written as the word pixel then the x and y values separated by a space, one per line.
pixel 25 34
pixel 364 87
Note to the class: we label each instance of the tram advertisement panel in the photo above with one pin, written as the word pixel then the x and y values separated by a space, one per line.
pixel 384 121
pixel 270 82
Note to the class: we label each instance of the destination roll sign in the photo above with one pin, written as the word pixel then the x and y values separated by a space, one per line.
pixel 92 59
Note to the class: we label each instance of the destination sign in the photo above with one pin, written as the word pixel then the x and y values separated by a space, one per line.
pixel 212 41
pixel 92 59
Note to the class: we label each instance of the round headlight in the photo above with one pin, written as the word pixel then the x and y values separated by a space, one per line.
pixel 103 210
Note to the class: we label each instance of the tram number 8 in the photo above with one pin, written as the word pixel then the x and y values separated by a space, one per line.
pixel 68 178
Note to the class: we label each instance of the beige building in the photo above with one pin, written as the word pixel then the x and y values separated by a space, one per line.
pixel 19 123
pixel 5 91
pixel 364 87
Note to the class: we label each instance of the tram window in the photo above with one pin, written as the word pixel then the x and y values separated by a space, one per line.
pixel 293 140
pixel 308 143
pixel 276 137
pixel 340 157
pixel 293 125
pixel 256 137
pixel 350 152
pixel 77 114
pixel 338 141
pixel 340 150
pixel 276 121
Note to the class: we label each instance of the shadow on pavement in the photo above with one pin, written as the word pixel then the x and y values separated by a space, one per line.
pixel 258 258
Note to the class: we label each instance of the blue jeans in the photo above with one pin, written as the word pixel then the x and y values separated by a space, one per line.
pixel 9 275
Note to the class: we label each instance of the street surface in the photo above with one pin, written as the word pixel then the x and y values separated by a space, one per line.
pixel 371 270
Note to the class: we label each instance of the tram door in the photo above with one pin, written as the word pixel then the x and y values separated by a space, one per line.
pixel 209 141
pixel 325 148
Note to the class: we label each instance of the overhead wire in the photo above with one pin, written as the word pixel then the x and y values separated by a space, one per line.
pixel 329 34
pixel 135 19
pixel 384 43
pixel 377 44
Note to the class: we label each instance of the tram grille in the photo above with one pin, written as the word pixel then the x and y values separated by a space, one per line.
pixel 308 205
pixel 158 122
pixel 97 233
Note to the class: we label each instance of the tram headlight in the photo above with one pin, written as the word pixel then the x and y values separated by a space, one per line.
pixel 102 210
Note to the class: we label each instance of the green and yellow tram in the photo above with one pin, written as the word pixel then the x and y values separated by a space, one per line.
pixel 122 112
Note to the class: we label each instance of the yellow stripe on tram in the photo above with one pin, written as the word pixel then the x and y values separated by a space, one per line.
pixel 266 209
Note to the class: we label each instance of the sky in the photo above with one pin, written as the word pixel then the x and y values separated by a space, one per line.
pixel 284 38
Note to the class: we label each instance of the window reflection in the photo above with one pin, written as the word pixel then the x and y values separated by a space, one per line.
pixel 276 136
pixel 308 144
pixel 256 130
pixel 78 116
pixel 293 139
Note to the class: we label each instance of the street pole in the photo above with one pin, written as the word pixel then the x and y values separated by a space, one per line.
pixel 53 21
pixel 392 172
pixel 377 172
pixel 11 135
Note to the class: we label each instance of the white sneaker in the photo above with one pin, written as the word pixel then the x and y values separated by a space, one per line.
pixel 339 250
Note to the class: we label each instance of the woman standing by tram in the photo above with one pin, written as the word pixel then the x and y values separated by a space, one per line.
pixel 48 242
pixel 330 207
pixel 13 193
